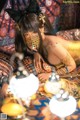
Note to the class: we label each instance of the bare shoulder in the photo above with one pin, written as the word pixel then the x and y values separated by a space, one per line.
pixel 57 40
pixel 53 40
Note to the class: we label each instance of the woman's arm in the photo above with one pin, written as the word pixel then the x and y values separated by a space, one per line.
pixel 37 60
pixel 64 56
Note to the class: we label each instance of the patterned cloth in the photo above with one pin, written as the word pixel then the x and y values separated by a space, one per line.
pixel 6 67
pixel 7 25
pixel 39 110
pixel 73 34
pixel 51 8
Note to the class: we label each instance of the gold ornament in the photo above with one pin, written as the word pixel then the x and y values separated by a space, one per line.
pixel 42 18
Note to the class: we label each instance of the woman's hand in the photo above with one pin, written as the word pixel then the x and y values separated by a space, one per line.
pixel 38 60
pixel 44 76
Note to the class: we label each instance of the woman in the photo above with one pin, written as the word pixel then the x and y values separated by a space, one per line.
pixel 52 49
pixel 7 34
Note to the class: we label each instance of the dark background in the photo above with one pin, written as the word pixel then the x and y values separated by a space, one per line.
pixel 70 16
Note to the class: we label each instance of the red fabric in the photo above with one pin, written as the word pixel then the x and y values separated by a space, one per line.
pixel 51 8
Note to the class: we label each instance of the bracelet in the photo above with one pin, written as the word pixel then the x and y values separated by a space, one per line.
pixel 63 70
pixel 67 71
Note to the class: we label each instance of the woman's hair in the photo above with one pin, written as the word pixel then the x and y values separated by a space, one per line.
pixel 2 4
pixel 29 22
pixel 48 28
pixel 32 21
pixel 19 43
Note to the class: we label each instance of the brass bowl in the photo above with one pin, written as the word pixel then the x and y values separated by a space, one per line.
pixel 12 109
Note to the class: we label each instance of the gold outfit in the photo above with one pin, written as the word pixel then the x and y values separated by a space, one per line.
pixel 74 49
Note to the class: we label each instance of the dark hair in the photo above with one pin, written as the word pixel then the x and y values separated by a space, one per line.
pixel 19 43
pixel 2 4
pixel 29 22
pixel 48 28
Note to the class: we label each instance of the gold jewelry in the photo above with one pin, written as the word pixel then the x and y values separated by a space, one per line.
pixel 63 70
pixel 42 18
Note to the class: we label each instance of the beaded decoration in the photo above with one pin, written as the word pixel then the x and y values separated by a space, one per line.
pixel 33 42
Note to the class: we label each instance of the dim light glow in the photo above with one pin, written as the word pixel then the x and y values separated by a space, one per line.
pixel 24 87
pixel 63 108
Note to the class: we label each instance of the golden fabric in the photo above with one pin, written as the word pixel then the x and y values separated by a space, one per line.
pixel 74 49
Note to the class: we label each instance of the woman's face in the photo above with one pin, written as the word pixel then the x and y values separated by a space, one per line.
pixel 32 40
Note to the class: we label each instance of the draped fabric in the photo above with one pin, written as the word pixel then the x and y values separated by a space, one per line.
pixel 52 8
pixel 69 17
pixel 7 25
